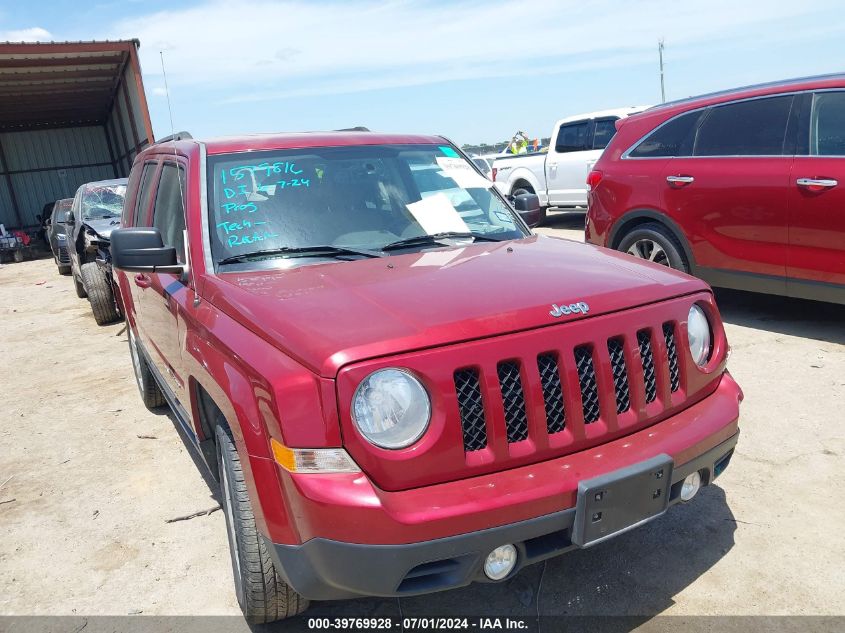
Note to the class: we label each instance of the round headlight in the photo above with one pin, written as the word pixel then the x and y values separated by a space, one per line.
pixel 698 330
pixel 391 408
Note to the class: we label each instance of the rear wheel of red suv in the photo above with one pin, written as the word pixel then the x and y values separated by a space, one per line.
pixel 262 594
pixel 151 393
pixel 656 244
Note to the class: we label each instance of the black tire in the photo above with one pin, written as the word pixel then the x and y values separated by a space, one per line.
pixel 521 190
pixel 100 294
pixel 151 393
pixel 652 241
pixel 79 287
pixel 263 595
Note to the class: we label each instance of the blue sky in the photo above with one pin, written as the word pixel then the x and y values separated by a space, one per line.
pixel 475 71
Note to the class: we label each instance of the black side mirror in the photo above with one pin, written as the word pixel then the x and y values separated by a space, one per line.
pixel 141 250
pixel 528 207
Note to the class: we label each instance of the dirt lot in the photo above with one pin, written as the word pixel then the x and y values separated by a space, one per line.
pixel 94 476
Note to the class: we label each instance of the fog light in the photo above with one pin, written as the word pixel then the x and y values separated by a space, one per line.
pixel 500 562
pixel 691 485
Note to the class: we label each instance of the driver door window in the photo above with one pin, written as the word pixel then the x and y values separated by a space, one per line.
pixel 169 213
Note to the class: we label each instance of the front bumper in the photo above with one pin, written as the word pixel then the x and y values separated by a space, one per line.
pixel 323 569
pixel 357 540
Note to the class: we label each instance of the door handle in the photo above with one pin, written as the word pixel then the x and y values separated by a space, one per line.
pixel 142 281
pixel 680 181
pixel 816 184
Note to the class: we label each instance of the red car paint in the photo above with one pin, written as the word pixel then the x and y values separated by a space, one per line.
pixel 745 221
pixel 280 353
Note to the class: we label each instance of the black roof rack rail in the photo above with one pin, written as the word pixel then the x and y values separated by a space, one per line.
pixel 179 136
pixel 357 128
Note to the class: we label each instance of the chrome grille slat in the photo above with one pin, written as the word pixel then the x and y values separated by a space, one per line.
pixel 552 393
pixel 588 382
pixel 471 408
pixel 672 354
pixel 647 360
pixel 620 374
pixel 513 399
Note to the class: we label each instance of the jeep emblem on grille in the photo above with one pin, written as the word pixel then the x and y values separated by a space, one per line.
pixel 572 308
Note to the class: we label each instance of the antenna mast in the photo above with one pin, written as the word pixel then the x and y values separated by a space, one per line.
pixel 660 55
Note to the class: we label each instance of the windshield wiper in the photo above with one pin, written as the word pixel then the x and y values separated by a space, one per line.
pixel 435 238
pixel 300 251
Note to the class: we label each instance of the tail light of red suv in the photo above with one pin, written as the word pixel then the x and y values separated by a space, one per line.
pixel 593 179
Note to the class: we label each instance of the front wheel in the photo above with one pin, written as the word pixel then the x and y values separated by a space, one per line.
pixel 654 243
pixel 263 595
pixel 79 287
pixel 100 294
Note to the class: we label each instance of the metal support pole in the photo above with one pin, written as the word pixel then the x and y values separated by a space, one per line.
pixel 660 54
pixel 4 167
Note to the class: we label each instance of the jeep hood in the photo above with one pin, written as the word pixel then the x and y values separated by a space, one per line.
pixel 330 314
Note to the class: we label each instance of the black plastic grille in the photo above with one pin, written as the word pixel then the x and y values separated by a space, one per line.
pixel 672 353
pixel 587 379
pixel 552 392
pixel 647 359
pixel 620 374
pixel 63 255
pixel 513 399
pixel 471 407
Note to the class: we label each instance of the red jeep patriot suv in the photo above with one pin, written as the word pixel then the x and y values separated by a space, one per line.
pixel 743 188
pixel 398 387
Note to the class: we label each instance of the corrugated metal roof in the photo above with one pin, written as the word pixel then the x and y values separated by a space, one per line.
pixel 49 84
pixel 70 113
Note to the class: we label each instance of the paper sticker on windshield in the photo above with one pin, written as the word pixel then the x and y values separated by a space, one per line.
pixel 436 214
pixel 448 151
pixel 462 173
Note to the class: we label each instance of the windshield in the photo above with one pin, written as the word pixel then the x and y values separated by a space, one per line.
pixel 103 201
pixel 363 197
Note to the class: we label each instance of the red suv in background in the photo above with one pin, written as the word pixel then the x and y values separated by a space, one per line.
pixel 741 188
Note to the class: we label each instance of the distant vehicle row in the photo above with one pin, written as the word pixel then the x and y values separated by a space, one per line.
pixel 78 232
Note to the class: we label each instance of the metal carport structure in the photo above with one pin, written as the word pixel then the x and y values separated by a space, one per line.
pixel 70 113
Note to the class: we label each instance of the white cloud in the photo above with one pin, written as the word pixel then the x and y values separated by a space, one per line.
pixel 33 34
pixel 251 50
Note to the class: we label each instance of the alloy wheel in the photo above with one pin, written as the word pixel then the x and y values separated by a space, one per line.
pixel 650 250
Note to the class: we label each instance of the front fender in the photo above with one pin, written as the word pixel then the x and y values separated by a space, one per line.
pixel 263 394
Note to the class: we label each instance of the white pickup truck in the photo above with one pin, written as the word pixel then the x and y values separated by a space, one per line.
pixel 559 176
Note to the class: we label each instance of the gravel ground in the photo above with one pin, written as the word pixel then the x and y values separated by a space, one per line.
pixel 89 477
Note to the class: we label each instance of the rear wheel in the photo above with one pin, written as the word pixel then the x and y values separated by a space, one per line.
pixel 521 189
pixel 262 594
pixel 151 393
pixel 100 294
pixel 651 241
